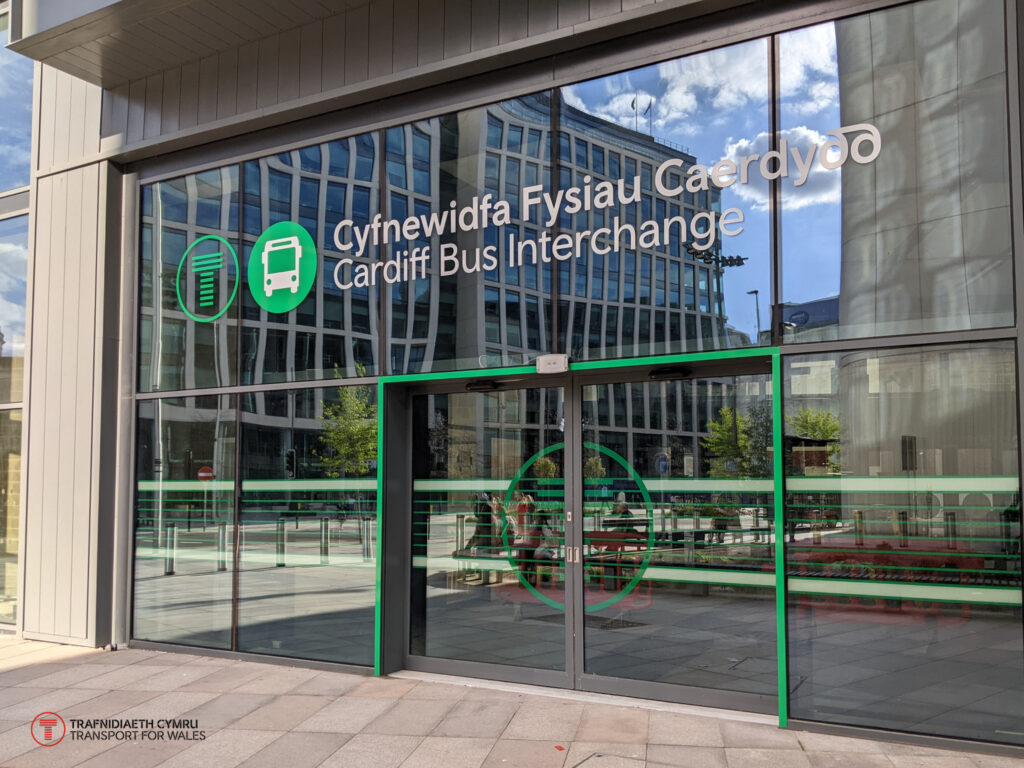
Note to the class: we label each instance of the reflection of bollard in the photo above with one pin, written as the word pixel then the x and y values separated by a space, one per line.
pixel 951 530
pixel 325 541
pixel 222 546
pixel 366 535
pixel 858 527
pixel 280 542
pixel 904 528
pixel 460 532
pixel 171 546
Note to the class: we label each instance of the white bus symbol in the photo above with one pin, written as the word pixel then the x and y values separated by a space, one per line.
pixel 281 278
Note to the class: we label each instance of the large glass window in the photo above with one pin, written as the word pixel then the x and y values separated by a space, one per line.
pixel 13 274
pixel 471 224
pixel 10 501
pixel 184 520
pixel 918 239
pixel 188 282
pixel 904 540
pixel 682 196
pixel 308 526
pixel 16 116
pixel 331 331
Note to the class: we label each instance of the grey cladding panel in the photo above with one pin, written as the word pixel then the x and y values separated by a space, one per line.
pixel 486 24
pixel 405 36
pixel 62 463
pixel 357 27
pixel 381 38
pixel 457 28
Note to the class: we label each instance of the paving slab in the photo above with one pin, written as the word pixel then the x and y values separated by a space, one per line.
pixel 373 750
pixel 258 715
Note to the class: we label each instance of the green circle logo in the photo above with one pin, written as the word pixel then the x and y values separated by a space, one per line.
pixel 282 267
pixel 208 284
pixel 553 489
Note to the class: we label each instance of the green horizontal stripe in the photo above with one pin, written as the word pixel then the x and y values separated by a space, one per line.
pixel 913 484
pixel 890 591
pixel 342 484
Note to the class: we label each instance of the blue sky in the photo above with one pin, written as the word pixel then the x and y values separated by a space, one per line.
pixel 716 105
pixel 15 158
pixel 15 117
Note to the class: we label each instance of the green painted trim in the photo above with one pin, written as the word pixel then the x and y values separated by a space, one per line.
pixel 458 486
pixel 903 484
pixel 708 485
pixel 186 485
pixel 691 357
pixel 780 541
pixel 475 373
pixel 710 576
pixel 347 484
pixel 981 595
pixel 378 627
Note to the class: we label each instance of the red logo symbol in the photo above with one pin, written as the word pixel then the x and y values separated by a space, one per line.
pixel 48 729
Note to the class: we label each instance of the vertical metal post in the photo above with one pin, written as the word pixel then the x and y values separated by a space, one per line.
pixel 858 526
pixel 950 524
pixel 170 548
pixel 280 542
pixel 460 532
pixel 325 541
pixel 222 546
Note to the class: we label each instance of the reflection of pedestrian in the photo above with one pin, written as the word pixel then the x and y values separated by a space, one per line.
pixel 622 515
pixel 483 531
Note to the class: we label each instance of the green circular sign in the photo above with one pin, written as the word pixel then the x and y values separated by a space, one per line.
pixel 282 267
pixel 212 271
pixel 631 474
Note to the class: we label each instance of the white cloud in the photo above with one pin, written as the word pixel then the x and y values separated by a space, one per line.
pixel 821 188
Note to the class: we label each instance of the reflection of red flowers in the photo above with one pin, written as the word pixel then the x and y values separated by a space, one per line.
pixel 48 725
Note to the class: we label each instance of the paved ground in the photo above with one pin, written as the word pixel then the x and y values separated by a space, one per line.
pixel 260 715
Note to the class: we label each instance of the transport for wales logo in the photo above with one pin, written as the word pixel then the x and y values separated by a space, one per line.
pixel 207 278
pixel 48 729
pixel 281 271
pixel 282 267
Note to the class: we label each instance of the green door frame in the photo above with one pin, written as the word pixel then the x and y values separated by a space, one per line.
pixel 768 354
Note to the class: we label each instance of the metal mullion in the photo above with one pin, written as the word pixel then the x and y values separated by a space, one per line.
pixel 575 604
pixel 775 196
pixel 236 552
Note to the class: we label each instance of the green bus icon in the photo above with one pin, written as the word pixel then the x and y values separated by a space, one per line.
pixel 282 267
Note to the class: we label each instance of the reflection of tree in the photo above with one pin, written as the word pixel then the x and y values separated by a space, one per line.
pixel 593 468
pixel 818 425
pixel 728 443
pixel 349 432
pixel 545 467
pixel 759 463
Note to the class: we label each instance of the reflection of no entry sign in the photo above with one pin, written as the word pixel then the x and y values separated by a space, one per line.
pixel 205 473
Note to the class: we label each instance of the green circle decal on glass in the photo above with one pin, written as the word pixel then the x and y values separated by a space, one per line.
pixel 207 285
pixel 282 267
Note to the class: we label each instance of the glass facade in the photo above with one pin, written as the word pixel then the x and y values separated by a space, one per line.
pixel 16 120
pixel 701 507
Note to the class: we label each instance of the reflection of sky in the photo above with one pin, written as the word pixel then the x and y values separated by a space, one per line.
pixel 716 105
pixel 13 267
pixel 15 117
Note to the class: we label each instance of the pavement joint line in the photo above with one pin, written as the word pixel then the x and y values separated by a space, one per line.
pixel 590 697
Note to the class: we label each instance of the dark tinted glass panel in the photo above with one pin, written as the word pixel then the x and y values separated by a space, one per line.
pixel 189 273
pixel 904 540
pixel 184 515
pixel 917 239
pixel 332 332
pixel 488 528
pixel 674 195
pixel 13 274
pixel 308 524
pixel 16 117
pixel 678 533
pixel 453 245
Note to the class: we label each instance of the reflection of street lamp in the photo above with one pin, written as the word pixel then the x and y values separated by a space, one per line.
pixel 757 308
